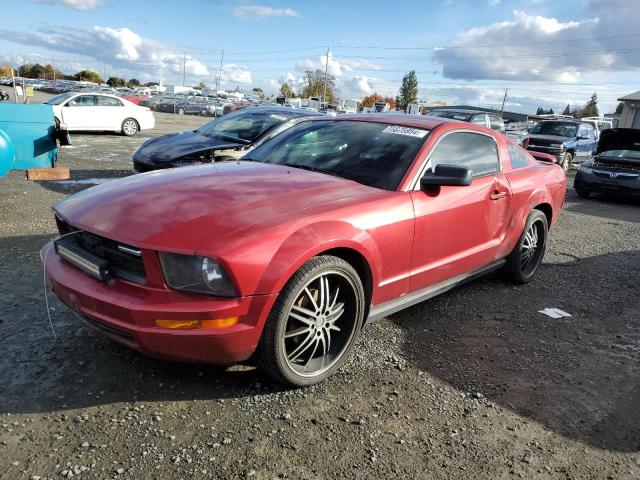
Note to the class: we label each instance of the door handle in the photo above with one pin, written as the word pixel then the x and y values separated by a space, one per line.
pixel 497 195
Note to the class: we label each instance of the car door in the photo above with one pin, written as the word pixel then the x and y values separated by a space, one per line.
pixel 458 230
pixel 79 113
pixel 110 113
pixel 585 142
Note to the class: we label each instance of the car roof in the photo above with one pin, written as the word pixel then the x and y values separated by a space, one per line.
pixel 416 121
pixel 284 111
pixel 460 110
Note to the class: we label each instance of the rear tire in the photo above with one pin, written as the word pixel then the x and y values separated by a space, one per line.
pixel 314 323
pixel 203 112
pixel 526 257
pixel 180 111
pixel 566 161
pixel 130 127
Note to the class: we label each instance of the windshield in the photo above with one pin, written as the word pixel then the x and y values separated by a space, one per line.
pixel 58 99
pixel 561 129
pixel 631 154
pixel 465 117
pixel 373 154
pixel 243 127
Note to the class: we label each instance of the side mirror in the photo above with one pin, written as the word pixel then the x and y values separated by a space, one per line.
pixel 447 176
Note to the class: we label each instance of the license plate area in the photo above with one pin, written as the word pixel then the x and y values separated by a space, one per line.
pixel 86 261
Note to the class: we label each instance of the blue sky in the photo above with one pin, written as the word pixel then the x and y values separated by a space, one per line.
pixel 547 53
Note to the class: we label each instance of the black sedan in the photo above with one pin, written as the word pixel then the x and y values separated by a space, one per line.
pixel 615 166
pixel 226 138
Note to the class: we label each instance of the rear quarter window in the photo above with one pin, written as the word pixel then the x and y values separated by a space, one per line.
pixel 517 156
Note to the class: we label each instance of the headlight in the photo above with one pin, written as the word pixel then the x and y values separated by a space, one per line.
pixel 196 274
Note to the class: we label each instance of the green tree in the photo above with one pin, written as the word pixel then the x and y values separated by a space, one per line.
pixel 116 82
pixel 408 90
pixel 133 83
pixel 89 76
pixel 619 107
pixel 591 108
pixel 151 84
pixel 567 110
pixel 286 91
pixel 31 70
pixel 200 86
pixel 314 85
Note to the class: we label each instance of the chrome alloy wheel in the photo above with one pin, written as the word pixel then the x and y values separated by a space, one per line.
pixel 320 324
pixel 130 127
pixel 530 253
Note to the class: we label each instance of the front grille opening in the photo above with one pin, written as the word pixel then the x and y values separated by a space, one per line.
pixel 124 262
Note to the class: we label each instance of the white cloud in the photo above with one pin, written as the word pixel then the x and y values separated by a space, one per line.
pixel 533 47
pixel 123 48
pixel 336 67
pixel 74 4
pixel 232 73
pixel 257 12
pixel 494 3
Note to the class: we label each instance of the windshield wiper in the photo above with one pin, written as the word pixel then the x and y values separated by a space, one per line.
pixel 307 167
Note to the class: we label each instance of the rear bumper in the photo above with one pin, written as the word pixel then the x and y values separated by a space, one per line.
pixel 595 183
pixel 126 312
pixel 147 122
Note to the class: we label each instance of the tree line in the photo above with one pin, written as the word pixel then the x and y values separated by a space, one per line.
pixel 314 85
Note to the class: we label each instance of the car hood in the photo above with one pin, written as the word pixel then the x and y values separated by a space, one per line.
pixel 182 209
pixel 619 139
pixel 176 145
pixel 550 138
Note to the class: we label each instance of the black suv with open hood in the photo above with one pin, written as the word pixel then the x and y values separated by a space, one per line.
pixel 225 138
pixel 615 166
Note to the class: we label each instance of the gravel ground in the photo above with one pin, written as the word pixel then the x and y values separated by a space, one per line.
pixel 474 384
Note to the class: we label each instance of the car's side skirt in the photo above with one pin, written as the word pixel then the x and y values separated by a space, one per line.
pixel 384 309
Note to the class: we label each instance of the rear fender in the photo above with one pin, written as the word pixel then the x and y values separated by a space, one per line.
pixel 519 219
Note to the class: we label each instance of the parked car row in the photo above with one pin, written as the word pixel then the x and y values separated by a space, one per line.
pixel 298 230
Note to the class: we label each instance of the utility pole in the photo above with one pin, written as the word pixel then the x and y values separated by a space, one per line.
pixel 326 70
pixel 184 68
pixel 104 68
pixel 219 79
pixel 53 67
pixel 504 99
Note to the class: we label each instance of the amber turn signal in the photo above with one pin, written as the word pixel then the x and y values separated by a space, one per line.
pixel 193 324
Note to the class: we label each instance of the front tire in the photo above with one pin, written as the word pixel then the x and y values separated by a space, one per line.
pixel 583 193
pixel 130 127
pixel 526 257
pixel 566 161
pixel 314 323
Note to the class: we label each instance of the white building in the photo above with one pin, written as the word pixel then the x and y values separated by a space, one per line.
pixel 630 116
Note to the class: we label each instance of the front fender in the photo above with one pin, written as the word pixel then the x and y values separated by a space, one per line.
pixel 312 240
pixel 7 153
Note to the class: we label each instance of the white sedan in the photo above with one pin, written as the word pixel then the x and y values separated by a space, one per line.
pixel 91 111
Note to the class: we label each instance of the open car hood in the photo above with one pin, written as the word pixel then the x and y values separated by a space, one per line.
pixel 177 145
pixel 619 139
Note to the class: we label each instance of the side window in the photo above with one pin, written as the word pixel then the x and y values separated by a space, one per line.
pixel 496 123
pixel 472 150
pixel 83 101
pixel 517 156
pixel 590 131
pixel 479 120
pixel 108 102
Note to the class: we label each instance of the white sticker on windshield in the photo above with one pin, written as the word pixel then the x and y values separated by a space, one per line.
pixel 411 132
pixel 278 117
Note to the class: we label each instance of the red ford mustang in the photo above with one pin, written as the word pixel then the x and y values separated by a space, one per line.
pixel 285 255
